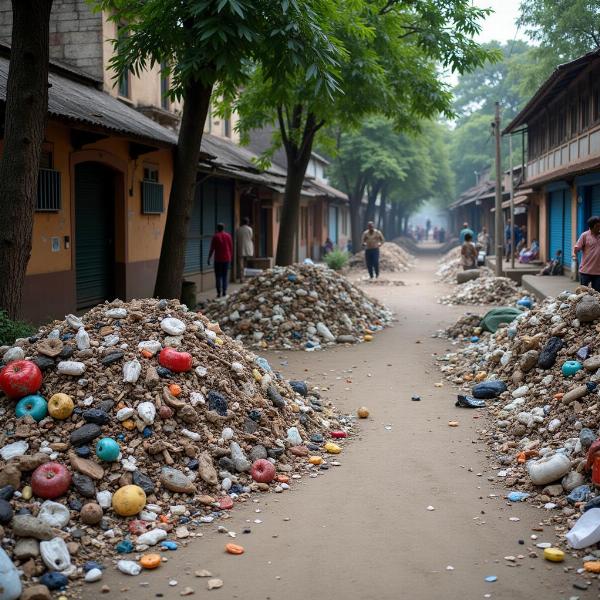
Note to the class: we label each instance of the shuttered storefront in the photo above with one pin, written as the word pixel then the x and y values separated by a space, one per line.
pixel 595 201
pixel 560 224
pixel 94 234
pixel 213 203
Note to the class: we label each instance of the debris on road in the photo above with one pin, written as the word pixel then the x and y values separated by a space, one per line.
pixel 392 258
pixel 488 290
pixel 162 423
pixel 300 306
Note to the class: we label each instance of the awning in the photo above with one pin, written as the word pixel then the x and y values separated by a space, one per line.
pixel 517 200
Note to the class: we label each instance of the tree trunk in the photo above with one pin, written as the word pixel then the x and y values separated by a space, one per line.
pixel 196 102
pixel 372 194
pixel 298 150
pixel 24 126
pixel 356 222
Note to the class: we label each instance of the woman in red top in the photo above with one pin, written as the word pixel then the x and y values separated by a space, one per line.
pixel 221 246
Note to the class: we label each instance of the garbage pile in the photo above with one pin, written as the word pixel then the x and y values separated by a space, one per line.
pixel 450 267
pixel 392 258
pixel 467 327
pixel 407 243
pixel 489 290
pixel 300 306
pixel 540 377
pixel 128 428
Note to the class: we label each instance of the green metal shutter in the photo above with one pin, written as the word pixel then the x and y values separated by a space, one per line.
pixel 94 234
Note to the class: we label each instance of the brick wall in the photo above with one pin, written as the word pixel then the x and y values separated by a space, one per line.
pixel 75 34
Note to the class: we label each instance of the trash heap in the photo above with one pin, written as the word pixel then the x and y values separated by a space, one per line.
pixel 466 327
pixel 128 428
pixel 450 267
pixel 392 258
pixel 407 243
pixel 540 375
pixel 487 290
pixel 300 306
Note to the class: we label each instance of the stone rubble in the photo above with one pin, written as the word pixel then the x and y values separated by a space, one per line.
pixel 541 427
pixel 392 258
pixel 302 306
pixel 185 441
pixel 484 290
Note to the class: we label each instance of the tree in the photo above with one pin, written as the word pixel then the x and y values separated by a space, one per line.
pixel 392 49
pixel 207 43
pixel 25 116
pixel 471 145
pixel 564 30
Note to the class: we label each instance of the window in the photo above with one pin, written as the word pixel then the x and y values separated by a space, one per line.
pixel 48 192
pixel 584 107
pixel 227 127
pixel 152 192
pixel 124 79
pixel 164 86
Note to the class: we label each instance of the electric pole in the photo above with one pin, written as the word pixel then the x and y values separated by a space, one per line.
pixel 498 228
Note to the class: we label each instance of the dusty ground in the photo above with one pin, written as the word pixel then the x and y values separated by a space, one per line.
pixel 362 531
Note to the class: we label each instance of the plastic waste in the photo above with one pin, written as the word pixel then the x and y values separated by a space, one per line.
pixel 489 389
pixel 469 402
pixel 116 313
pixel 548 469
pixel 173 326
pixel 293 436
pixel 517 496
pixel 70 367
pixel 10 582
pixel 54 513
pixel 129 567
pixel 55 554
pixel 581 493
pixel 324 332
pixel 586 531
pixel 151 346
pixel 74 322
pixel 82 339
pixel 131 371
pixel 570 367
pixel 152 537
pixel 13 450
pixel 93 575
pixel 147 412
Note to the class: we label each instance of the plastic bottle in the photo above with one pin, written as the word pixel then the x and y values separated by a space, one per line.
pixel 586 532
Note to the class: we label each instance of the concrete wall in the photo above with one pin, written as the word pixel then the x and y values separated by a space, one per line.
pixel 139 236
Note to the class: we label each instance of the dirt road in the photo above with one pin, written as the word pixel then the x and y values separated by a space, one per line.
pixel 362 531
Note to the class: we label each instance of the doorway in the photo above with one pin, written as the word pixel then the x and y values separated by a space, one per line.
pixel 94 234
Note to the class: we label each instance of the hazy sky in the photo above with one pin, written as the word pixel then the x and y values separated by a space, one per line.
pixel 500 25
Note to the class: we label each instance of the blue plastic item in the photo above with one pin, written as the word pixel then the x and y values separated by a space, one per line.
pixel 108 449
pixel 124 547
pixel 582 493
pixel 489 389
pixel 263 363
pixel 474 339
pixel 571 367
pixel 33 405
pixel 517 496
pixel 54 581
pixel 491 578
pixel 168 545
pixel 526 302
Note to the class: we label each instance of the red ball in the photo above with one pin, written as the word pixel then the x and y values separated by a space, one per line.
pixel 20 378
pixel 262 471
pixel 178 362
pixel 339 434
pixel 50 480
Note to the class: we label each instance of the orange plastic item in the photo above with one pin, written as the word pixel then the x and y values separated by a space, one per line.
pixel 521 458
pixel 163 518
pixel 524 456
pixel 150 561
pixel 146 353
pixel 282 479
pixel 120 405
pixel 592 566
pixel 175 389
pixel 234 549
pixel 559 396
pixel 129 424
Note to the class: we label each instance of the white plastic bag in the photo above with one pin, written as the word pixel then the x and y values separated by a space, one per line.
pixel 586 532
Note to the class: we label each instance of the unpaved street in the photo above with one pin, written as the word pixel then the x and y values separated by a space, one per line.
pixel 362 531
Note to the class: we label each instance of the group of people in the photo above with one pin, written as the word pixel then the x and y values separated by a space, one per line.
pixel 422 233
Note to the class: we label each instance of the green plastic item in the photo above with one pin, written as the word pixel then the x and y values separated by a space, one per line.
pixel 493 318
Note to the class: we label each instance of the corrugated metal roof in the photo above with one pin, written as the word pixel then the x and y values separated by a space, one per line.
pixel 79 103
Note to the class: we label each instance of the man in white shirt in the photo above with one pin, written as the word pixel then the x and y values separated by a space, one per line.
pixel 245 245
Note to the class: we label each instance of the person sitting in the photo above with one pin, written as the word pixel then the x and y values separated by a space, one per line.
pixel 468 253
pixel 526 255
pixel 555 266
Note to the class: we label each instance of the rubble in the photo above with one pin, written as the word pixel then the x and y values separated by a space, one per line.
pixel 150 453
pixel 541 428
pixel 450 267
pixel 484 290
pixel 392 258
pixel 300 306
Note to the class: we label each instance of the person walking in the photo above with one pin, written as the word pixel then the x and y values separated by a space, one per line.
pixel 372 239
pixel 468 253
pixel 589 246
pixel 221 246
pixel 244 238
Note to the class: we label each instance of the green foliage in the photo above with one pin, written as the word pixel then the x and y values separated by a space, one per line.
pixel 216 41
pixel 336 259
pixel 11 330
pixel 564 30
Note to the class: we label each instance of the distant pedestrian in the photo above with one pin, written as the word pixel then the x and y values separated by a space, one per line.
pixel 328 247
pixel 468 253
pixel 427 228
pixel 372 239
pixel 589 246
pixel 463 232
pixel 221 246
pixel 245 246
